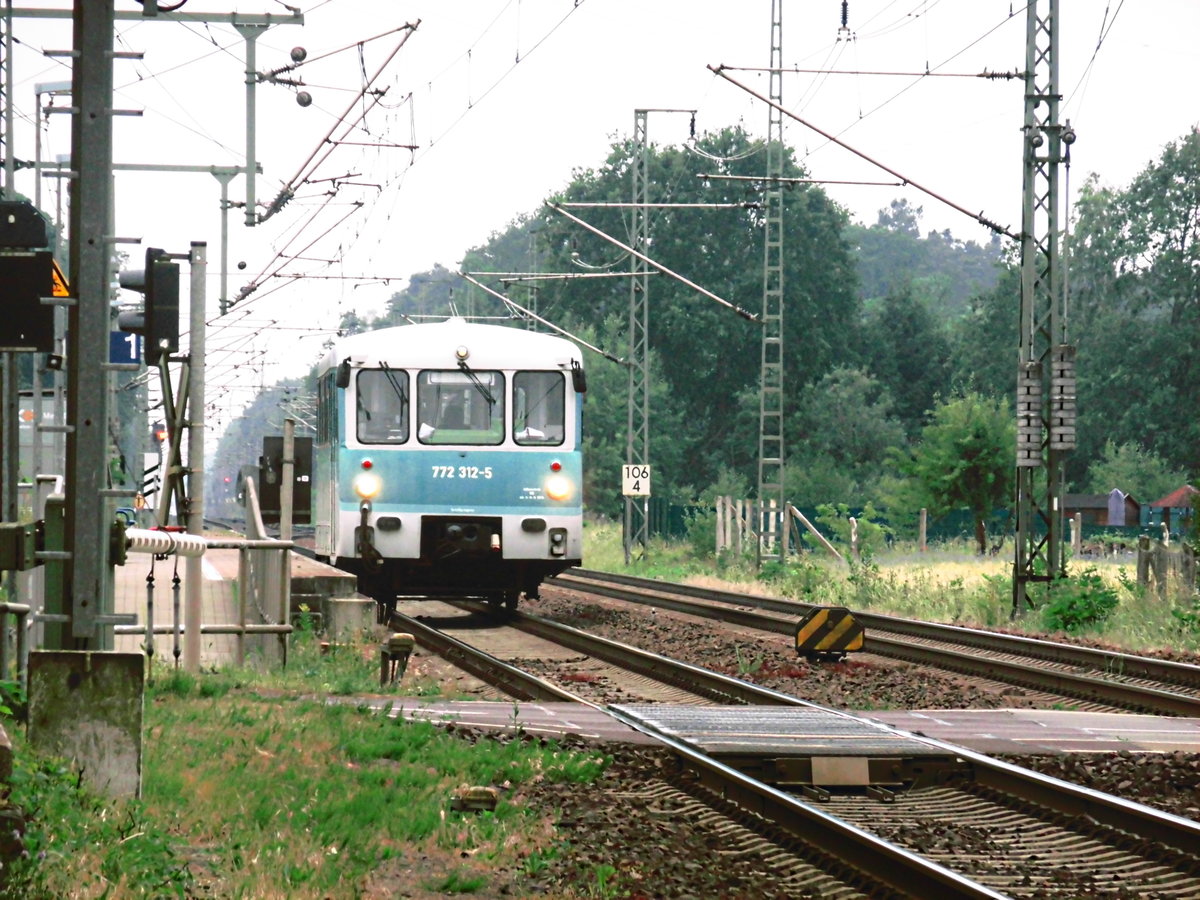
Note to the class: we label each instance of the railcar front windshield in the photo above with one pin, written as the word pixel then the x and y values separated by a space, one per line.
pixel 539 408
pixel 460 407
pixel 382 406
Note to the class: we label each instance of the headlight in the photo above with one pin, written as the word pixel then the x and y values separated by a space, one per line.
pixel 367 484
pixel 558 487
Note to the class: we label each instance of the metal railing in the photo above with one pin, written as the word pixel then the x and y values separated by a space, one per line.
pixel 263 588
pixel 264 583
pixel 21 611
pixel 32 499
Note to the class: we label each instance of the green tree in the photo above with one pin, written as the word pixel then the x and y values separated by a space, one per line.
pixel 605 428
pixel 909 354
pixel 1135 311
pixel 965 457
pixel 1135 471
pixel 944 272
pixel 983 341
pixel 710 357
pixel 845 430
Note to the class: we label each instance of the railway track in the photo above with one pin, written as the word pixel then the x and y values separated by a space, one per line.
pixel 979 828
pixel 1102 679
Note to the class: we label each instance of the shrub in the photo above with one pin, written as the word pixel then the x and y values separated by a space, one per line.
pixel 1078 602
pixel 702 532
pixel 873 535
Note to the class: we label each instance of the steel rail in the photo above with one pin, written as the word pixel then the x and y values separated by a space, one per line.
pixel 513 681
pixel 912 875
pixel 903 871
pixel 1085 686
pixel 698 680
pixel 1061 796
pixel 906 873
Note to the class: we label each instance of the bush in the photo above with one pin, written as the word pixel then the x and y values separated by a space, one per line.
pixel 873 535
pixel 1078 602
pixel 701 527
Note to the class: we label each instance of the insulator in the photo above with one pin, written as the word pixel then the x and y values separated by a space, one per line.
pixel 148 540
pixel 1062 398
pixel 845 12
pixel 1029 415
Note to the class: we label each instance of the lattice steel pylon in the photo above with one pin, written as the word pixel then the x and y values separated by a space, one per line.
pixel 770 410
pixel 1046 362
pixel 637 441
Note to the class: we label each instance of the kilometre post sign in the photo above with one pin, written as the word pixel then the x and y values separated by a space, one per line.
pixel 635 481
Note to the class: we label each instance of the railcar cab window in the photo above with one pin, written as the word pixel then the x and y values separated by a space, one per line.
pixel 382 406
pixel 460 407
pixel 539 407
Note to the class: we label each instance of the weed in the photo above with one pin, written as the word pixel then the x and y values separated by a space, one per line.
pixel 1079 602
pixel 13 702
pixel 747 666
pixel 804 579
pixel 176 682
pixel 266 790
pixel 773 571
pixel 606 884
pixel 458 883
pixel 1189 618
pixel 539 861
pixel 304 624
pixel 106 846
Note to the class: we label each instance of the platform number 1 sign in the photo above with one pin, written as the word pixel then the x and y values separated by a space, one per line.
pixel 635 481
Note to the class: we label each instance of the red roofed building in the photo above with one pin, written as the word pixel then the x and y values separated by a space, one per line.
pixel 1176 506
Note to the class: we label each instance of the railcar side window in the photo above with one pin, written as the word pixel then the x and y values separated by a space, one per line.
pixel 539 402
pixel 382 406
pixel 463 407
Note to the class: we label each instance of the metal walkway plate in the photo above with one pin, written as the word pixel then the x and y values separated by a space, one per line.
pixel 775 731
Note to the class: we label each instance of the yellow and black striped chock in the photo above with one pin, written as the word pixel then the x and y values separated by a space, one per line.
pixel 828 633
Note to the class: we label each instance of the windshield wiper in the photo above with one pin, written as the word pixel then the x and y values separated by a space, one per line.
pixel 479 385
pixel 390 374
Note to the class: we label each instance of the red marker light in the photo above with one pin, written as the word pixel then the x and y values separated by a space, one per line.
pixel 555 466
pixel 366 464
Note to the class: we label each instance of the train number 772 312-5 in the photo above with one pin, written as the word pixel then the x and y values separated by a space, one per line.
pixel 462 472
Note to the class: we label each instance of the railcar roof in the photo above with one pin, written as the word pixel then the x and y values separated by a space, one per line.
pixel 433 344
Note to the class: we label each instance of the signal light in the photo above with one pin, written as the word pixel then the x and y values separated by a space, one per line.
pixel 160 433
pixel 158 282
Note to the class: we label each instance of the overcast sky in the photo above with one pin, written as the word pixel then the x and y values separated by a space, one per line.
pixel 504 99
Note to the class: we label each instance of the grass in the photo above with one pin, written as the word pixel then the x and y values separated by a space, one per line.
pixel 947 583
pixel 255 786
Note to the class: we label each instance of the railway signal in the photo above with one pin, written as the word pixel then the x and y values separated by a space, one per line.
pixel 158 323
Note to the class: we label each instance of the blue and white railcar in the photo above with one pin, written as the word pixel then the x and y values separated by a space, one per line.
pixel 448 460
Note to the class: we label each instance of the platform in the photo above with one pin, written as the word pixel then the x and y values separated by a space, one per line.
pixel 311 581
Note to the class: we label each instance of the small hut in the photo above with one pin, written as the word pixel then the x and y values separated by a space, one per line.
pixel 1115 508
pixel 1174 510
